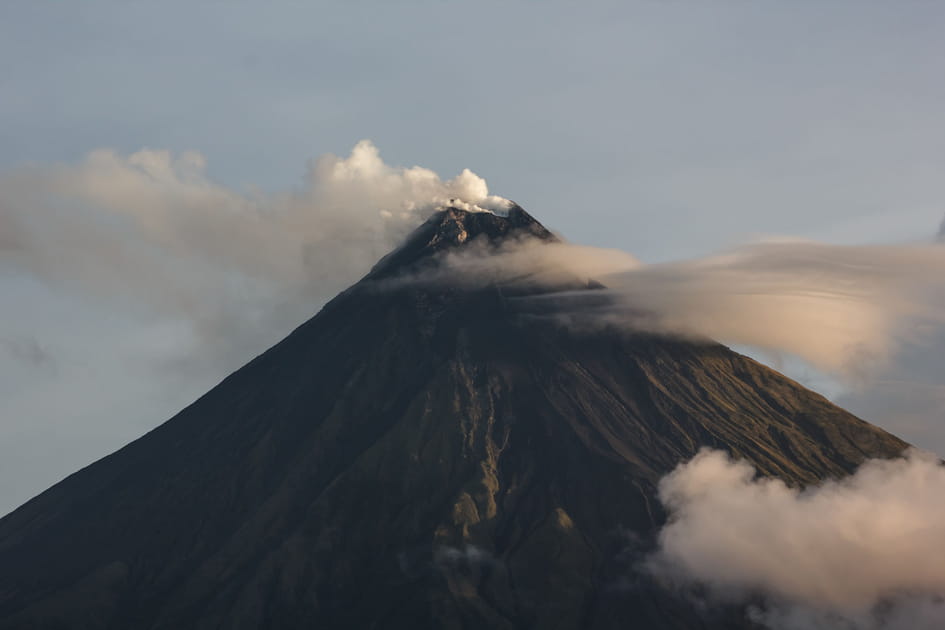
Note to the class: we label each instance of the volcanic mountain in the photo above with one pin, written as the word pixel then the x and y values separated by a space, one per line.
pixel 417 455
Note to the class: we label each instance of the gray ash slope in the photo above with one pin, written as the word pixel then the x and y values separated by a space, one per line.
pixel 420 457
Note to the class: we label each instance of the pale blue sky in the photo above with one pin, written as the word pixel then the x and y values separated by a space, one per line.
pixel 665 128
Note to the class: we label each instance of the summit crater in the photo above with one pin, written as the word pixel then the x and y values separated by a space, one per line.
pixel 453 228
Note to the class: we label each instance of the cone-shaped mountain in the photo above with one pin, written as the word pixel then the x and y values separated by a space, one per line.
pixel 416 456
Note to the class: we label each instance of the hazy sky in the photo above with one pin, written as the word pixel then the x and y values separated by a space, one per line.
pixel 667 129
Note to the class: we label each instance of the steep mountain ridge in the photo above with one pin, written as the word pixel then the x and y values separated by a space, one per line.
pixel 415 457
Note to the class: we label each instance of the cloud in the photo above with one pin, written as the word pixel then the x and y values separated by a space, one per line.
pixel 862 553
pixel 871 315
pixel 519 259
pixel 842 308
pixel 845 309
pixel 151 230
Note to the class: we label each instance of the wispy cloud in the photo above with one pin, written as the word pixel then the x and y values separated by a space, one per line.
pixel 845 309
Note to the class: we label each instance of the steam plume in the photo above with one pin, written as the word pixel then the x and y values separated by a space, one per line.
pixel 152 231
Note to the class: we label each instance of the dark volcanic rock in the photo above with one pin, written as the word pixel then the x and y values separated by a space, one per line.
pixel 415 458
pixel 453 229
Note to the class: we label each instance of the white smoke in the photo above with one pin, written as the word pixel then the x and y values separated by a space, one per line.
pixel 152 230
pixel 861 553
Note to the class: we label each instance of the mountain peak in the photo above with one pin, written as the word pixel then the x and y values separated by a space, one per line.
pixel 454 227
pixel 417 459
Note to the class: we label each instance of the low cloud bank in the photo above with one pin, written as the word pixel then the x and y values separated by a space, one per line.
pixel 861 553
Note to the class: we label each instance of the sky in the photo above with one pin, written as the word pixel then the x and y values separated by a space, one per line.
pixel 670 130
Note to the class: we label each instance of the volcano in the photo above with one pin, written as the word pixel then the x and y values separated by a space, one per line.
pixel 418 455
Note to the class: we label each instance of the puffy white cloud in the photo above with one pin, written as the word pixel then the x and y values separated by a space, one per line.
pixel 861 553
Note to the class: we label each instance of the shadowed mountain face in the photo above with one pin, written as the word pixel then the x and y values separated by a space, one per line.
pixel 415 457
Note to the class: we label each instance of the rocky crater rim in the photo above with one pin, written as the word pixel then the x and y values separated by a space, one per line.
pixel 454 226
pixel 493 204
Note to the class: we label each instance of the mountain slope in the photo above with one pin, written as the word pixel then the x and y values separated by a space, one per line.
pixel 415 457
